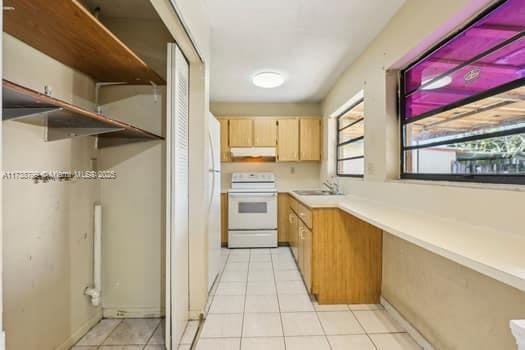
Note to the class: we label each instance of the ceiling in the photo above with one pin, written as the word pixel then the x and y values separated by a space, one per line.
pixel 310 41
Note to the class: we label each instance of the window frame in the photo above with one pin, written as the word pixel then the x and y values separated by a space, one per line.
pixel 339 144
pixel 516 179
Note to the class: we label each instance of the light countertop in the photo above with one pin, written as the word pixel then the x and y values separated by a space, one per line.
pixel 499 255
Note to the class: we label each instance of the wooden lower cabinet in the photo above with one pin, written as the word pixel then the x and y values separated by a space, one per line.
pixel 339 257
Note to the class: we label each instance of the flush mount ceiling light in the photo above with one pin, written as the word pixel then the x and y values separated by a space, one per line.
pixel 438 84
pixel 268 80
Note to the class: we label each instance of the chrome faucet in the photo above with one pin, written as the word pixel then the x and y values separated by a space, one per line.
pixel 332 185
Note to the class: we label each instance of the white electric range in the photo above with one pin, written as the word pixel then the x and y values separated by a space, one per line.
pixel 252 211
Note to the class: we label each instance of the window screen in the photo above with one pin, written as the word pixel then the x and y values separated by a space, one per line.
pixel 463 104
pixel 350 141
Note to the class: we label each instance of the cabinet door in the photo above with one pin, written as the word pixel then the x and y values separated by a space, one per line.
pixel 288 140
pixel 310 139
pixel 225 142
pixel 265 132
pixel 307 258
pixel 241 133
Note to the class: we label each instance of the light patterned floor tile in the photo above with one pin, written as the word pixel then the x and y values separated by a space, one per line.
pixel 397 341
pixel 274 343
pixel 295 303
pixel 87 347
pixel 222 326
pixel 291 287
pixel 255 276
pixel 189 333
pixel 158 335
pixel 132 331
pixel 100 332
pixel 121 347
pixel 339 322
pixel 288 275
pixel 219 344
pixel 234 276
pixel 261 288
pixel 301 323
pixel 231 288
pixel 233 267
pixel 377 322
pixel 351 342
pixel 262 325
pixel 227 304
pixel 307 343
pixel 262 303
pixel 261 258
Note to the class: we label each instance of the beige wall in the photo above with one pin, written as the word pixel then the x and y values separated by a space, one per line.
pixel 289 176
pixel 438 297
pixel 452 306
pixel 417 24
pixel 133 204
pixel 48 228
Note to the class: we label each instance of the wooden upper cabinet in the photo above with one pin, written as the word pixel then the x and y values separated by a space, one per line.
pixel 225 142
pixel 241 132
pixel 288 140
pixel 265 132
pixel 310 139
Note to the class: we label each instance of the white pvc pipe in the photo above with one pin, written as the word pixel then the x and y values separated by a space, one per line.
pixel 95 291
pixel 518 330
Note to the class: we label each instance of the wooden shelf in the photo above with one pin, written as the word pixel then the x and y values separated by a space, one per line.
pixel 64 120
pixel 68 32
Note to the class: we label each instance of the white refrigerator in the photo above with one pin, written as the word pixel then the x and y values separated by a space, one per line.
pixel 214 200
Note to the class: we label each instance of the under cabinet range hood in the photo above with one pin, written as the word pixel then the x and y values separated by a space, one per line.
pixel 255 152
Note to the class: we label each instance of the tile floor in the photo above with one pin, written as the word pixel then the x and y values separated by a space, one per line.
pixel 261 303
pixel 124 334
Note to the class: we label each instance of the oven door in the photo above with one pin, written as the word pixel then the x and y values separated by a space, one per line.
pixel 252 211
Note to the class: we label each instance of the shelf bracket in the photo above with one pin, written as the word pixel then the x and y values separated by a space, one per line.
pixel 14 113
pixel 97 92
pixel 155 91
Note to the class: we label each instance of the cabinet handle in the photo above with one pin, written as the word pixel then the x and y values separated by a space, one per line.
pixel 290 218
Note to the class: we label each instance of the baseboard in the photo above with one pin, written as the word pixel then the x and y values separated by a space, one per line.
pixel 79 333
pixel 133 313
pixel 414 333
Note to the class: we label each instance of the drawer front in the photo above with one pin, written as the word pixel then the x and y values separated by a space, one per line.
pixel 305 215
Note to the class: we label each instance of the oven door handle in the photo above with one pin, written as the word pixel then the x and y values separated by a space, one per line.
pixel 252 195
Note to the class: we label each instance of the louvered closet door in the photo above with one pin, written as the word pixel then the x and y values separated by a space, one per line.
pixel 177 233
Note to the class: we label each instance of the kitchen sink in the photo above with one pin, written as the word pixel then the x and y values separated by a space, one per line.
pixel 315 193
